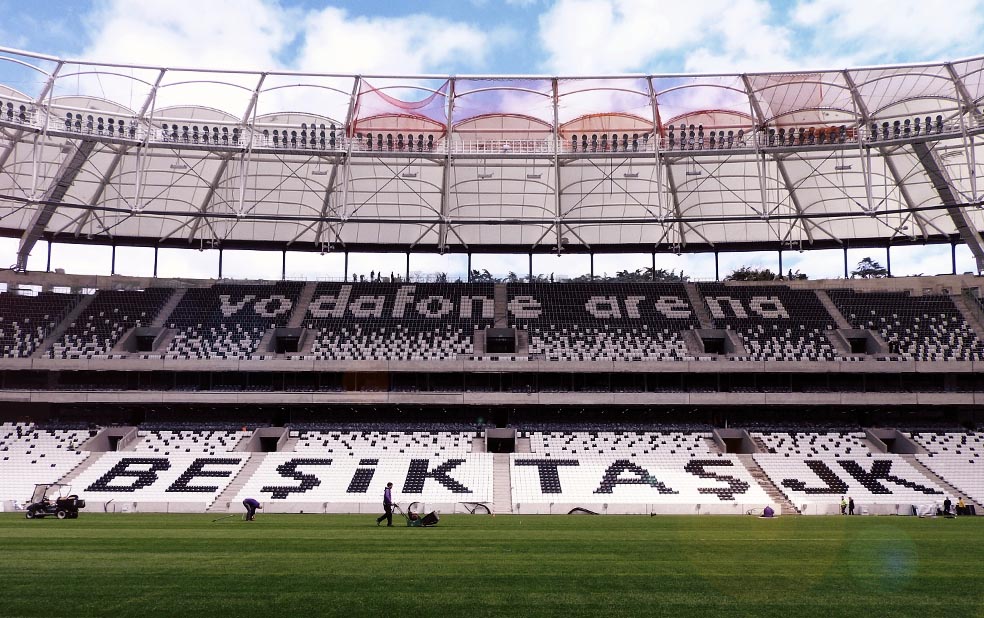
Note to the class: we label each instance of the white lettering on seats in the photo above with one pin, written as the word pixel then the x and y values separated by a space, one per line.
pixel 714 303
pixel 603 307
pixel 262 307
pixel 404 298
pixel 230 309
pixel 488 306
pixel 328 306
pixel 632 306
pixel 758 304
pixel 672 307
pixel 444 307
pixel 524 307
pixel 367 306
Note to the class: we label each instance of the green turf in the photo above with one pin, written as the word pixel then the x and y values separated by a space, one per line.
pixel 309 565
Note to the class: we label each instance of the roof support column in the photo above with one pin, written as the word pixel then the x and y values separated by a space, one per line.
pixel 469 268
pixel 556 161
pixel 220 262
pixel 283 265
pixel 780 263
pixel 112 261
pixel 442 232
pixel 155 262
pixel 654 266
pixel 888 259
pixel 346 266
pixel 845 261
pixel 717 273
pixel 408 266
pixel 531 269
pixel 948 196
pixel 592 266
pixel 48 267
pixel 46 206
pixel 953 255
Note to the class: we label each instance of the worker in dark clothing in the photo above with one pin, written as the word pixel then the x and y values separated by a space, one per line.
pixel 387 506
pixel 946 506
pixel 850 506
pixel 251 505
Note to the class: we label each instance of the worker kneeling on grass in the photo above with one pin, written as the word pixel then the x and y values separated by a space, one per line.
pixel 251 505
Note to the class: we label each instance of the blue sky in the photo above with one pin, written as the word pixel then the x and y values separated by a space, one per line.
pixel 501 36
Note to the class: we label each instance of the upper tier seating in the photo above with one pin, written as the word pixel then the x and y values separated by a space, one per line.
pixel 819 481
pixel 199 442
pixel 29 455
pixel 635 443
pixel 603 321
pixel 924 328
pixel 807 444
pixel 156 478
pixel 228 321
pixel 957 458
pixel 107 318
pixel 353 444
pixel 776 323
pixel 26 320
pixel 385 321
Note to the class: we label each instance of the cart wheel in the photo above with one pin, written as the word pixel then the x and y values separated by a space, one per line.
pixel 61 514
pixel 29 514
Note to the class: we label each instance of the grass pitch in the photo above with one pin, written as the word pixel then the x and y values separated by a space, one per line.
pixel 310 565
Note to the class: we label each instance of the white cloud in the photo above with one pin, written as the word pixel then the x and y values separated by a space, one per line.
pixel 885 30
pixel 335 41
pixel 617 36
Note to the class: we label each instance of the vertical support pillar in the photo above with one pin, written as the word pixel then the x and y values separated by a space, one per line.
pixel 717 272
pixel 220 262
pixel 780 264
pixel 155 261
pixel 592 266
pixel 953 256
pixel 408 266
pixel 283 266
pixel 345 275
pixel 845 262
pixel 112 262
pixel 531 269
pixel 469 267
pixel 48 267
pixel 654 266
pixel 888 259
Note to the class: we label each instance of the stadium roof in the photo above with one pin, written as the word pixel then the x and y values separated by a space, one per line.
pixel 140 155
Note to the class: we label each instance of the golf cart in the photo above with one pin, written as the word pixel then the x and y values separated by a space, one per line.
pixel 54 499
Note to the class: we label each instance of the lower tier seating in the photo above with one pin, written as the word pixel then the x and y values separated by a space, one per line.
pixel 355 444
pixel 30 455
pixel 198 442
pixel 957 458
pixel 641 483
pixel 321 477
pixel 818 483
pixel 792 443
pixel 154 478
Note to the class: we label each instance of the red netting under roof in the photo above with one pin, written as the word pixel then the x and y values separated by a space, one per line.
pixel 679 96
pixel 579 98
pixel 530 98
pixel 898 91
pixel 379 108
pixel 804 98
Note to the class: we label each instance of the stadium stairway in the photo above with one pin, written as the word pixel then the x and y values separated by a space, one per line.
pixel 971 312
pixel 62 326
pixel 222 503
pixel 501 484
pixel 786 507
pixel 168 307
pixel 73 474
pixel 501 299
pixel 929 474
pixel 832 310
pixel 301 306
pixel 698 305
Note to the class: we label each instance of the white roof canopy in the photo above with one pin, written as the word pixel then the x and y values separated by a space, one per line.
pixel 190 157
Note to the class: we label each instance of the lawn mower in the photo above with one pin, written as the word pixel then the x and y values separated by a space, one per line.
pixel 54 499
pixel 416 521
